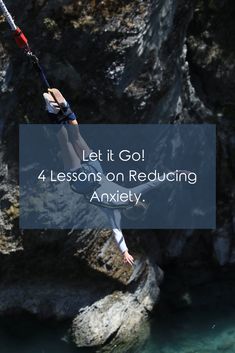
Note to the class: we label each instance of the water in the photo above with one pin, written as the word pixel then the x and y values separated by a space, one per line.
pixel 196 331
pixel 200 320
pixel 195 317
pixel 25 334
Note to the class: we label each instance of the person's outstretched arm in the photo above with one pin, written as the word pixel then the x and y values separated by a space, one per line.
pixel 114 217
pixel 118 235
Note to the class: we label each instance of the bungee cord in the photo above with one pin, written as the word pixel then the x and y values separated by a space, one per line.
pixel 22 42
pixel 8 16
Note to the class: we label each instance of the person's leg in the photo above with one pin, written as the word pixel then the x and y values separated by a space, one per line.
pixel 70 158
pixel 55 104
pixel 162 180
pixel 79 144
pixel 145 187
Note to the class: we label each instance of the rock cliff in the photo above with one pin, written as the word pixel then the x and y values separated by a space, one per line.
pixel 117 61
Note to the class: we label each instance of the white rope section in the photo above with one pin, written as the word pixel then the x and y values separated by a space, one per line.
pixel 8 16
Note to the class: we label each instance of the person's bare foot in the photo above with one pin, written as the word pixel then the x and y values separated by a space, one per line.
pixel 56 103
pixel 54 100
pixel 57 96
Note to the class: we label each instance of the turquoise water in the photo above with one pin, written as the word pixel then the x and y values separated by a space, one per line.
pixel 196 331
pixel 201 320
pixel 195 316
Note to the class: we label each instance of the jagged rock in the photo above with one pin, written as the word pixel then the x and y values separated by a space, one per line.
pixel 212 52
pixel 117 319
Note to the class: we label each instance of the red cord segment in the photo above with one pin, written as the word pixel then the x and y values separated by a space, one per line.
pixel 20 39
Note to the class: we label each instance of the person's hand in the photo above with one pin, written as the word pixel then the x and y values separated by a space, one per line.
pixel 128 258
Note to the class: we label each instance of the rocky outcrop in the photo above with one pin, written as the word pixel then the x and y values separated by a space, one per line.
pixel 211 55
pixel 78 276
pixel 119 317
pixel 46 278
pixel 125 58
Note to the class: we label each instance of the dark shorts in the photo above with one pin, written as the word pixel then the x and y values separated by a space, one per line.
pixel 88 186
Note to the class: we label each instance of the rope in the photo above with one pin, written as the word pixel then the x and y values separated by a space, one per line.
pixel 22 43
pixel 8 16
pixel 38 68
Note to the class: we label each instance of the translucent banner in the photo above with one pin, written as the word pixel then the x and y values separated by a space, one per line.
pixel 129 176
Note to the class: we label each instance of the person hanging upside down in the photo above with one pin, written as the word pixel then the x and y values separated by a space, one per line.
pixel 73 148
